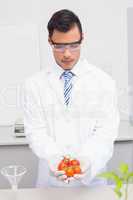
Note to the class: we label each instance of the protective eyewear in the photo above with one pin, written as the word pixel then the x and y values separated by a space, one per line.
pixel 60 47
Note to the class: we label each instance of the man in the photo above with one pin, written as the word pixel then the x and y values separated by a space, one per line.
pixel 70 108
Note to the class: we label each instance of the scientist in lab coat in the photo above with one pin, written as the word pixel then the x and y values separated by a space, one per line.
pixel 70 108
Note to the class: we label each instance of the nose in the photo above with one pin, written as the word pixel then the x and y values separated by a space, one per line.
pixel 67 53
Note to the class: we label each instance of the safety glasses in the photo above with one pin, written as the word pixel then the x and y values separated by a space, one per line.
pixel 61 47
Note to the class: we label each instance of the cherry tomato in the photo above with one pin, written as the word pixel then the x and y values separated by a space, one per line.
pixel 62 166
pixel 75 162
pixel 77 170
pixel 67 161
pixel 69 171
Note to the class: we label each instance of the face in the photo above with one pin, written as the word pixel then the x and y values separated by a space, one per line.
pixel 66 58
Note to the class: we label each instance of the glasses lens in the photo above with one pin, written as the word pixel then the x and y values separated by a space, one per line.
pixel 61 48
pixel 74 47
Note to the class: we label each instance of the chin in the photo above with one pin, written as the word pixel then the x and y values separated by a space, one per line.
pixel 67 66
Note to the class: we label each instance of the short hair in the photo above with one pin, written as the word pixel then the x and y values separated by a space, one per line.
pixel 63 21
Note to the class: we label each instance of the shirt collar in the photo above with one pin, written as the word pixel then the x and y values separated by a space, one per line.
pixel 75 70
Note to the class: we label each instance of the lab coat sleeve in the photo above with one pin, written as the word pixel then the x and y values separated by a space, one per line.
pixel 35 123
pixel 99 146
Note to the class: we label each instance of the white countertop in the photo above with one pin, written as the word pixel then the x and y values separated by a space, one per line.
pixel 7 136
pixel 82 193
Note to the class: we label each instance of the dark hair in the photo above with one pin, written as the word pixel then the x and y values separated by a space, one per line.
pixel 63 21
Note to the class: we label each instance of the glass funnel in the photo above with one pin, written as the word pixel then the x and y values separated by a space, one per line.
pixel 13 173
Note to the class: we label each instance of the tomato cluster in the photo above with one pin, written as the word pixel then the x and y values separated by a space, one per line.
pixel 70 166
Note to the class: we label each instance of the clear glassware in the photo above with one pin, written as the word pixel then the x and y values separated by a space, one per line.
pixel 13 173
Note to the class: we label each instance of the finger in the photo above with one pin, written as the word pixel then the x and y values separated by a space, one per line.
pixel 62 177
pixel 71 179
pixel 79 176
pixel 59 173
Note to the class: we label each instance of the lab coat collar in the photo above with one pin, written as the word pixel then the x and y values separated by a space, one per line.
pixel 81 67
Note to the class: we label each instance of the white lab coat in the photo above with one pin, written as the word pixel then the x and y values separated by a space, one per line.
pixel 88 127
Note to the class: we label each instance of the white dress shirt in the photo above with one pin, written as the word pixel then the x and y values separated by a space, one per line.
pixel 87 127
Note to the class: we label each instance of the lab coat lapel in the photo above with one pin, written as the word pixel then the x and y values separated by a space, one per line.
pixel 83 69
pixel 56 87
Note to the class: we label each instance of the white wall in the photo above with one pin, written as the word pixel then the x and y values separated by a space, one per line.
pixel 105 28
pixel 19 58
pixel 130 58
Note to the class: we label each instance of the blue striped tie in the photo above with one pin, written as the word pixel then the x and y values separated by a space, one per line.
pixel 67 75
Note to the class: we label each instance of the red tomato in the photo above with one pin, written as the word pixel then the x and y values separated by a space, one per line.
pixel 75 162
pixel 62 166
pixel 77 170
pixel 67 161
pixel 69 171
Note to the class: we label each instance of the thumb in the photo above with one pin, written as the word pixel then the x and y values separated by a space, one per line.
pixel 79 176
pixel 59 173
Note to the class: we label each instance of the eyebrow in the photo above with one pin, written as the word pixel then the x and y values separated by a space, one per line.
pixel 76 42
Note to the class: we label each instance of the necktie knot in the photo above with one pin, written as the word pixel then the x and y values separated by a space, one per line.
pixel 67 75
